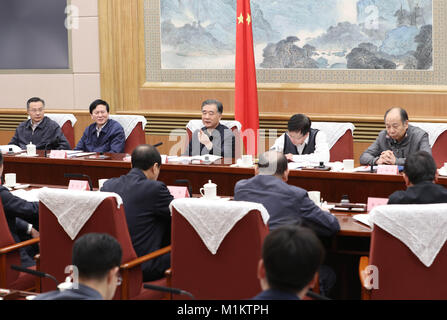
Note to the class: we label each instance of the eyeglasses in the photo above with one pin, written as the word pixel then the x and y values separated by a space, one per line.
pixel 36 110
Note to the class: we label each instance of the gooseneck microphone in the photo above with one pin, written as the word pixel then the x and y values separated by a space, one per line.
pixel 187 182
pixel 167 289
pixel 34 273
pixel 158 144
pixel 316 296
pixel 80 175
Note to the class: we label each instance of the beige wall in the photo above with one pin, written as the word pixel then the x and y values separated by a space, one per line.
pixel 74 90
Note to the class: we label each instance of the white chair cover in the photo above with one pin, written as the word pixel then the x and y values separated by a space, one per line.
pixel 434 130
pixel 333 130
pixel 128 122
pixel 421 227
pixel 213 219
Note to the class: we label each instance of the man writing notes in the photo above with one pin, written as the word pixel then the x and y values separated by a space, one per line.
pixel 39 129
pixel 213 138
pixel 146 203
pixel 104 134
pixel 301 143
pixel 420 175
pixel 396 142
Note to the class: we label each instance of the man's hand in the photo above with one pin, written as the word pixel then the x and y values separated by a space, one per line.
pixel 205 140
pixel 34 233
pixel 387 157
pixel 289 157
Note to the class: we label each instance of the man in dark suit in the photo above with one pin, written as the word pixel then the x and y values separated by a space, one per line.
pixel 420 175
pixel 291 256
pixel 285 204
pixel 97 257
pixel 23 219
pixel 39 129
pixel 214 138
pixel 146 203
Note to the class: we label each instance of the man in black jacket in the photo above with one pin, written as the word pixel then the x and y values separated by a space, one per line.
pixel 420 175
pixel 39 129
pixel 22 217
pixel 146 203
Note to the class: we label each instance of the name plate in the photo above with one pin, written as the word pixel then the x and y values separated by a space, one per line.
pixel 387 169
pixel 374 202
pixel 78 185
pixel 178 192
pixel 58 154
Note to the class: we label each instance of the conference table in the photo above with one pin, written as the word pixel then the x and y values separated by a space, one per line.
pixel 358 186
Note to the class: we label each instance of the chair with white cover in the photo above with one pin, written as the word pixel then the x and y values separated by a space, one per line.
pixel 408 253
pixel 65 215
pixel 437 138
pixel 134 126
pixel 66 121
pixel 339 138
pixel 216 246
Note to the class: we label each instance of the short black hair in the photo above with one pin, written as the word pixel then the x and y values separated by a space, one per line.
pixel 95 254
pixel 145 156
pixel 403 114
pixel 34 99
pixel 272 163
pixel 299 122
pixel 419 167
pixel 292 255
pixel 216 102
pixel 96 103
pixel 1 158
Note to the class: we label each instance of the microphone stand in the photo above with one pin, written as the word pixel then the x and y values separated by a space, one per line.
pixel 34 273
pixel 167 289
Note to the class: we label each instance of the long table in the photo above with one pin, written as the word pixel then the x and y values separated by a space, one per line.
pixel 332 185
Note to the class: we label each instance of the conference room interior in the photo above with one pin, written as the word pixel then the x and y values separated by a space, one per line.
pixel 114 62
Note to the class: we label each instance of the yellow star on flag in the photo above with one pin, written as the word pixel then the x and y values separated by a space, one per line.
pixel 248 19
pixel 240 19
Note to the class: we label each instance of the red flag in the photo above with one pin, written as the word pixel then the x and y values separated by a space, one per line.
pixel 246 93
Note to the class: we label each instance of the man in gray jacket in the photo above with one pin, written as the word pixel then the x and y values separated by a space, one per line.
pixel 399 140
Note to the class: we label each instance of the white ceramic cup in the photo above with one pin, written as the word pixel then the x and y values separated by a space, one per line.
pixel 209 190
pixel 31 149
pixel 164 158
pixel 247 160
pixel 64 286
pixel 101 182
pixel 348 164
pixel 10 179
pixel 315 196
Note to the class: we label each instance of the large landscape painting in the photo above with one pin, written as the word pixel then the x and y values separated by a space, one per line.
pixel 300 34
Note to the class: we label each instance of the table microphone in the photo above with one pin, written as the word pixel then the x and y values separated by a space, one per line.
pixel 316 296
pixel 158 144
pixel 34 273
pixel 167 289
pixel 80 175
pixel 185 181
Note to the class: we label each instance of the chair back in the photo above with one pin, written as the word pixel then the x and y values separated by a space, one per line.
pixel 8 276
pixel 66 121
pixel 231 273
pixel 339 137
pixel 134 126
pixel 56 245
pixel 437 138
pixel 400 274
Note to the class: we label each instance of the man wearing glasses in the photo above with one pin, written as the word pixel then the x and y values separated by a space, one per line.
pixel 301 143
pixel 39 129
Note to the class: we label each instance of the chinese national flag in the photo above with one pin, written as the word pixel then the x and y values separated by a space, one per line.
pixel 246 94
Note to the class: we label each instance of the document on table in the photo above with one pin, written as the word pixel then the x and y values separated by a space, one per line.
pixel 30 195
pixel 363 218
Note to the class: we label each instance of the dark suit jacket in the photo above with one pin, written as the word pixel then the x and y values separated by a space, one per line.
pixel 148 217
pixel 420 193
pixel 111 138
pixel 285 204
pixel 223 143
pixel 46 133
pixel 82 293
pixel 272 294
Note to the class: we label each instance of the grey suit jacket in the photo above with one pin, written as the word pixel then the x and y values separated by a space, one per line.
pixel 286 204
pixel 415 140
